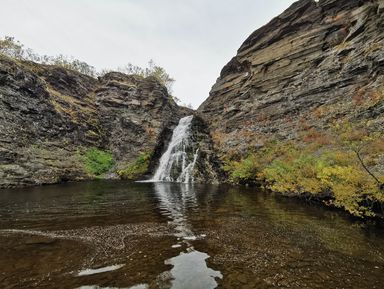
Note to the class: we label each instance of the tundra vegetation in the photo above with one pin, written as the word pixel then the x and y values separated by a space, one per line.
pixel 342 167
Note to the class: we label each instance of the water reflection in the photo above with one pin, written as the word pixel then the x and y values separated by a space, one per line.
pixel 174 200
pixel 189 268
pixel 191 271
pixel 50 234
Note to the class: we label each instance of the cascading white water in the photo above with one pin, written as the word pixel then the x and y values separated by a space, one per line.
pixel 175 165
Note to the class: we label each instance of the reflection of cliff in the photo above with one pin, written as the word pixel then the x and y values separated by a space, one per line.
pixel 304 224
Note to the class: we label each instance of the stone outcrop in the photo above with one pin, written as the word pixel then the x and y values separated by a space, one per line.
pixel 50 115
pixel 317 62
pixel 208 164
pixel 133 113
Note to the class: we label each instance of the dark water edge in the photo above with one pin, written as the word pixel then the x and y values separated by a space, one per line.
pixel 319 202
pixel 114 234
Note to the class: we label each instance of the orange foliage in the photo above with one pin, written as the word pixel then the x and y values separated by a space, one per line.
pixel 314 136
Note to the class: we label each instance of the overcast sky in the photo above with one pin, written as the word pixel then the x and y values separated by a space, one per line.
pixel 191 39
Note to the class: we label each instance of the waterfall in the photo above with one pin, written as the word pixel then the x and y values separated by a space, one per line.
pixel 178 161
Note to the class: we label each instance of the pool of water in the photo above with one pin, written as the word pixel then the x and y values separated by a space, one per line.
pixel 162 235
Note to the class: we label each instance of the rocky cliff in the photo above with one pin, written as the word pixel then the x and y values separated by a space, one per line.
pixel 316 62
pixel 51 116
pixel 300 108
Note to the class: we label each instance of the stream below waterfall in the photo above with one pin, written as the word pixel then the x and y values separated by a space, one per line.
pixel 168 235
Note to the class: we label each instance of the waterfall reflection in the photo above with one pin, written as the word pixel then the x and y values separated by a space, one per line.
pixel 174 202
pixel 190 269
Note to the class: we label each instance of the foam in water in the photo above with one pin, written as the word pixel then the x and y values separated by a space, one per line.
pixel 175 166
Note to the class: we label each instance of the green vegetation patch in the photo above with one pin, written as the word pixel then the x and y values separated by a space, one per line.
pixel 137 168
pixel 98 162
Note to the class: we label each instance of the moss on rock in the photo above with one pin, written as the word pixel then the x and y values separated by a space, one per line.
pixel 97 162
pixel 136 169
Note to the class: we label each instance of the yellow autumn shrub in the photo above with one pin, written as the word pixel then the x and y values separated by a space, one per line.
pixel 336 169
pixel 351 187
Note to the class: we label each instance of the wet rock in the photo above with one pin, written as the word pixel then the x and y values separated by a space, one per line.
pixel 191 155
pixel 208 166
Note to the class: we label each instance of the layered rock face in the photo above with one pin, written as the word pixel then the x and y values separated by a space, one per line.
pixel 50 115
pixel 316 63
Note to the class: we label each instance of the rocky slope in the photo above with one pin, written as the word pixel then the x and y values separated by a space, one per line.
pixel 315 63
pixel 50 117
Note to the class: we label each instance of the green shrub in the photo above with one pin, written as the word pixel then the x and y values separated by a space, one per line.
pixel 137 168
pixel 98 162
pixel 295 173
pixel 243 171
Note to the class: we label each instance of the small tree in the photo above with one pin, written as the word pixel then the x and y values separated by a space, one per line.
pixel 358 140
pixel 151 70
pixel 12 48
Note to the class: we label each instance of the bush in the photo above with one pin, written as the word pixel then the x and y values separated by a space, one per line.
pixel 152 70
pixel 13 48
pixel 295 174
pixel 98 162
pixel 243 171
pixel 136 169
pixel 352 189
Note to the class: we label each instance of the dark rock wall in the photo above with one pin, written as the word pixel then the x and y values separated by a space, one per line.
pixel 39 125
pixel 49 115
pixel 207 164
pixel 133 113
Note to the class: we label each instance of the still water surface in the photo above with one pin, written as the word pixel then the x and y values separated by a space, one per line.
pixel 159 235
